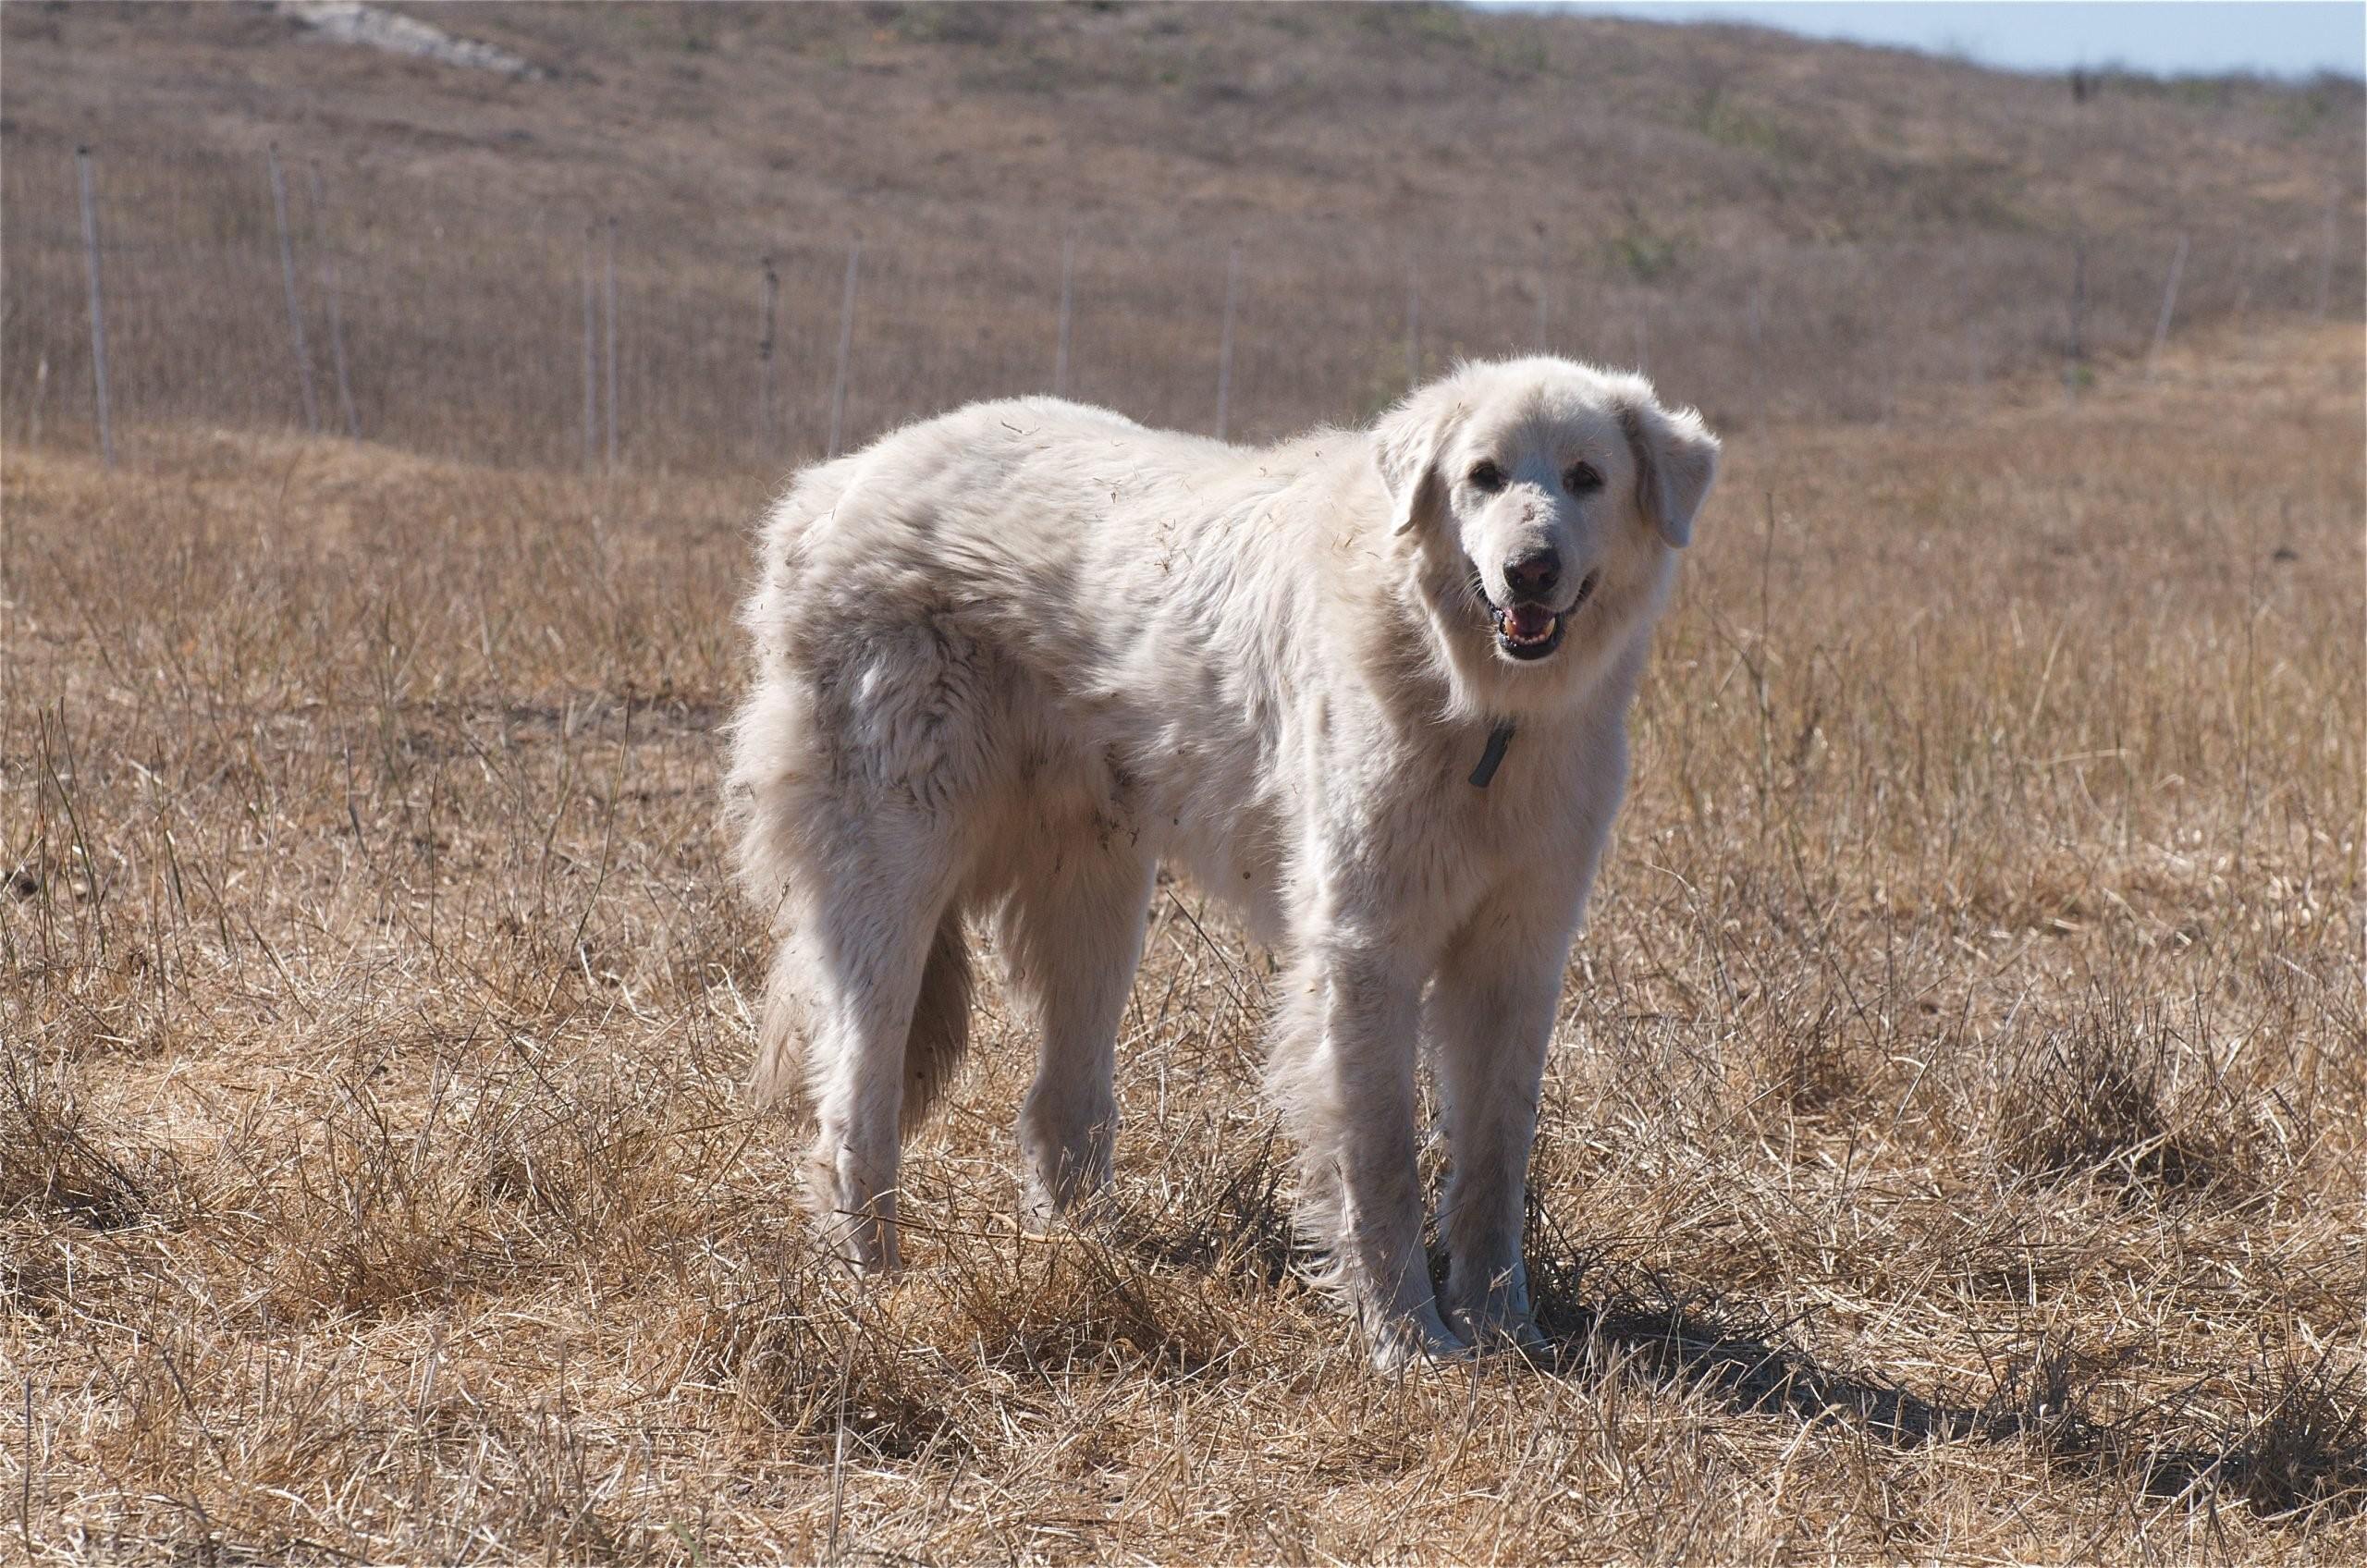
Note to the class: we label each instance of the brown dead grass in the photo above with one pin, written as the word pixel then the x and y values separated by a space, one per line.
pixel 1953 1150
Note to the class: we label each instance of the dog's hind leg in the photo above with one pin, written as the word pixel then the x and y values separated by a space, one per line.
pixel 1071 935
pixel 933 1048
pixel 880 925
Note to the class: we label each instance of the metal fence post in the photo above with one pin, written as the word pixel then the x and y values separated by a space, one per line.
pixel 2169 304
pixel 98 310
pixel 591 357
pixel 2078 354
pixel 1413 327
pixel 2325 265
pixel 764 358
pixel 612 342
pixel 336 317
pixel 1757 358
pixel 846 347
pixel 1068 275
pixel 1224 339
pixel 287 284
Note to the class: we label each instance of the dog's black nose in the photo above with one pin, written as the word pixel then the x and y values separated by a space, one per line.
pixel 1534 576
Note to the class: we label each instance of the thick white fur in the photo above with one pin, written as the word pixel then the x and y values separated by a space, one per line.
pixel 1011 658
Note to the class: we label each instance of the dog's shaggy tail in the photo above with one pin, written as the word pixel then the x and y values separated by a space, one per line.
pixel 932 1046
pixel 781 1029
pixel 940 1030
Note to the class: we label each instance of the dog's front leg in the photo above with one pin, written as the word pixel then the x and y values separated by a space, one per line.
pixel 1343 1075
pixel 1491 1018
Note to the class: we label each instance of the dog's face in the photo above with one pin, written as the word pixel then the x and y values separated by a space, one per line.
pixel 1544 501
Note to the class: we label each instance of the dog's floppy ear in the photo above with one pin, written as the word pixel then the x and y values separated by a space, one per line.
pixel 1676 461
pixel 1406 448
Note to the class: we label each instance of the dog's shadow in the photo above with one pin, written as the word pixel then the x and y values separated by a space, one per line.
pixel 2299 1451
pixel 1673 1343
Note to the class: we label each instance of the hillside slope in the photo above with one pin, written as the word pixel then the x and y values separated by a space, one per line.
pixel 1843 218
pixel 1482 128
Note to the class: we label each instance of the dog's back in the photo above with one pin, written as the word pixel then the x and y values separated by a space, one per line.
pixel 967 619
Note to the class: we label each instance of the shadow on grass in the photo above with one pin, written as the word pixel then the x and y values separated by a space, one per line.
pixel 2294 1448
pixel 1240 1227
pixel 2297 1450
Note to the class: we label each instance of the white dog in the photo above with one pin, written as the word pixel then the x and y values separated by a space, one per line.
pixel 1371 687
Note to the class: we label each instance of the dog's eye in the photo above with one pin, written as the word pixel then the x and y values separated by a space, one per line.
pixel 1487 476
pixel 1581 478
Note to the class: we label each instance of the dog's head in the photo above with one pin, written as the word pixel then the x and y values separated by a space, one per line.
pixel 1541 502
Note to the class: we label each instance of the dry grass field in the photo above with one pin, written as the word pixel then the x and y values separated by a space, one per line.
pixel 1953 1149
pixel 1955 1145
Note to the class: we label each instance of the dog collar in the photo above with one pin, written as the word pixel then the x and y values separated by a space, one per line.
pixel 1493 757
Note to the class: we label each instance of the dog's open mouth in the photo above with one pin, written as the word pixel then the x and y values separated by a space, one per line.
pixel 1529 630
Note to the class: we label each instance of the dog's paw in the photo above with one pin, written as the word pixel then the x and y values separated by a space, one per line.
pixel 1044 1215
pixel 1499 1317
pixel 1415 1339
pixel 1500 1332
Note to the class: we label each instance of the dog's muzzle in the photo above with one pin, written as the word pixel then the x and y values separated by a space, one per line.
pixel 1527 630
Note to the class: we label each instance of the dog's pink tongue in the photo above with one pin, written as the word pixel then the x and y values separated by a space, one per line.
pixel 1528 622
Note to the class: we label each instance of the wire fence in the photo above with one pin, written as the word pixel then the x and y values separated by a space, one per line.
pixel 155 288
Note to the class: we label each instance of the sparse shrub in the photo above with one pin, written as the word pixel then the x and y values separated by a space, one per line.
pixel 2096 1100
pixel 53 1162
pixel 805 1355
pixel 1232 1220
pixel 1641 250
pixel 2048 1397
pixel 1806 1067
pixel 2302 1446
pixel 1070 1302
